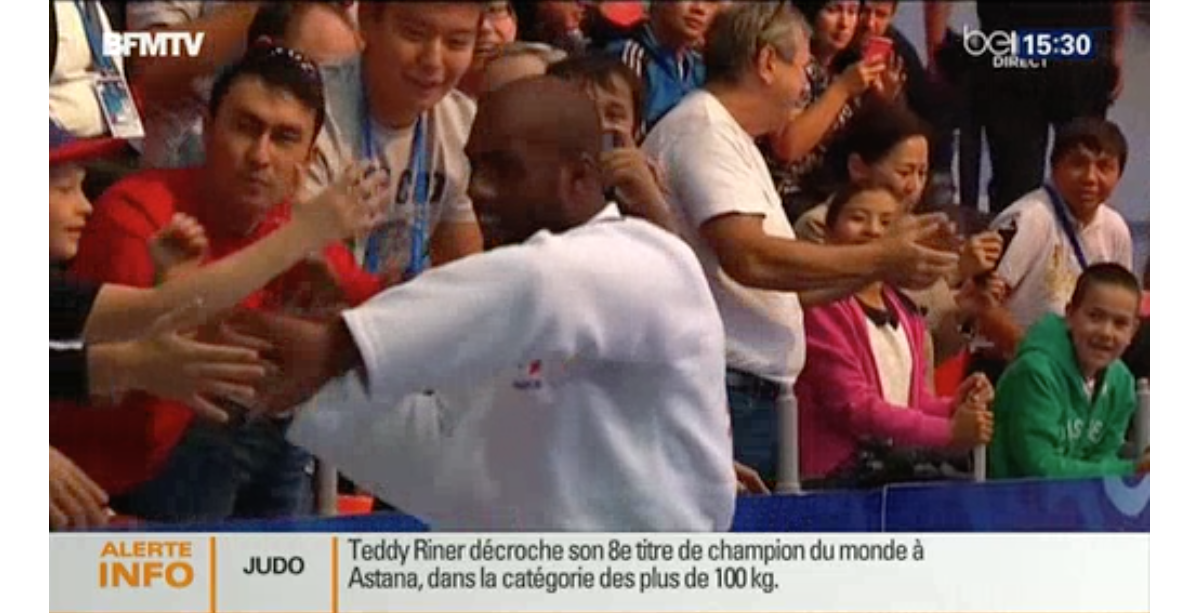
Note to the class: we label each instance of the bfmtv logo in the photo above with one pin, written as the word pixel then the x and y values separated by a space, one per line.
pixel 153 44
pixel 1001 46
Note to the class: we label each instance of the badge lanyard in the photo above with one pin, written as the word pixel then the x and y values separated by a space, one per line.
pixel 92 28
pixel 1064 220
pixel 419 174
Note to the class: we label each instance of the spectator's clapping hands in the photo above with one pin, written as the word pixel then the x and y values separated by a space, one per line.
pixel 76 502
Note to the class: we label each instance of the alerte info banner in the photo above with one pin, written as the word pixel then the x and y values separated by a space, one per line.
pixel 402 572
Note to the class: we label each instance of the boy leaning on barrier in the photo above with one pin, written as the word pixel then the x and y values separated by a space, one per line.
pixel 1063 407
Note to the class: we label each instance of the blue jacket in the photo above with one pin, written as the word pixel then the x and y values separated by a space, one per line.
pixel 666 76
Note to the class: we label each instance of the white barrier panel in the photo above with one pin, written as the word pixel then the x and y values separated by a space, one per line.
pixel 380 573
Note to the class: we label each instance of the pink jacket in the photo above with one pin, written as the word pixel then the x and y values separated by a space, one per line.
pixel 840 396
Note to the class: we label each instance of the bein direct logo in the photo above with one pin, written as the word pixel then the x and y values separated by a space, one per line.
pixel 1004 47
pixel 153 44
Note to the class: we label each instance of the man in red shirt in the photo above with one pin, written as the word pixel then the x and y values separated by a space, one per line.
pixel 263 118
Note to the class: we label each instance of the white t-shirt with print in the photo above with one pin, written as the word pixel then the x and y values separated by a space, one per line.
pixel 1040 264
pixel 341 142
pixel 713 168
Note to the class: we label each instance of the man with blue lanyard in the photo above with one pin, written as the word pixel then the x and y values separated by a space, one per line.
pixel 396 103
pixel 89 95
pixel 1057 231
pixel 663 53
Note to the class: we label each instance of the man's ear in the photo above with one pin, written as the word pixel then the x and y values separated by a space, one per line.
pixel 765 62
pixel 586 169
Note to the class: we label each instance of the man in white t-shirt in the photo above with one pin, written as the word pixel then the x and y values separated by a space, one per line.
pixel 397 103
pixel 733 217
pixel 1041 262
pixel 575 368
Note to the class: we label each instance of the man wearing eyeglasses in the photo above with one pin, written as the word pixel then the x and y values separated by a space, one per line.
pixel 396 103
pixel 157 462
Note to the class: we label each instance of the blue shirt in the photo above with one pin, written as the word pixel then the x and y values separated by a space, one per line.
pixel 667 76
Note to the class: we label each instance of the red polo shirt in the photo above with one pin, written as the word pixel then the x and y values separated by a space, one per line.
pixel 123 446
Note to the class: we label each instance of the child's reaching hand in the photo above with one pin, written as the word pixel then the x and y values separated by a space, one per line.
pixel 179 248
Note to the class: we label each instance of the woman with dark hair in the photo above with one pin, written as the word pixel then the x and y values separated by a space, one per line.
pixel 888 146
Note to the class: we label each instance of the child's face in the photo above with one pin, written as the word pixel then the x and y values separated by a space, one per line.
pixel 1086 179
pixel 865 218
pixel 1102 325
pixel 69 211
pixel 614 103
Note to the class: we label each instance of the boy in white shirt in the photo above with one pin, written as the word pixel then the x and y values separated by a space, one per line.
pixel 1058 230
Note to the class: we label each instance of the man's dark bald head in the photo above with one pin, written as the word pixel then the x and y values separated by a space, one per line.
pixel 535 160
pixel 543 110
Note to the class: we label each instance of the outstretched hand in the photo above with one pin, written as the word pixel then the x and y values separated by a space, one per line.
pixel 920 251
pixel 303 355
pixel 171 363
pixel 179 247
pixel 347 208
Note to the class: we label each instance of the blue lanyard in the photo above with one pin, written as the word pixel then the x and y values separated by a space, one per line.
pixel 1068 226
pixel 419 174
pixel 93 28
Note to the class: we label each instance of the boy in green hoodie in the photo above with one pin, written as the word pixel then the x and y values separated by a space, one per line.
pixel 1063 407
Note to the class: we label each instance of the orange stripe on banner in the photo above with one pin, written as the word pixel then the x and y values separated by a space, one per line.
pixel 212 574
pixel 334 580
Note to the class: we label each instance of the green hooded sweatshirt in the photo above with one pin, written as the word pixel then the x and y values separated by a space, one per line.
pixel 1047 424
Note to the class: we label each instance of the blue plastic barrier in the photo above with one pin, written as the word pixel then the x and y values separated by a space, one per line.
pixel 1096 505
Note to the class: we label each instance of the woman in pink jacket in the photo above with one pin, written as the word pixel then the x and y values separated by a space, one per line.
pixel 867 416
